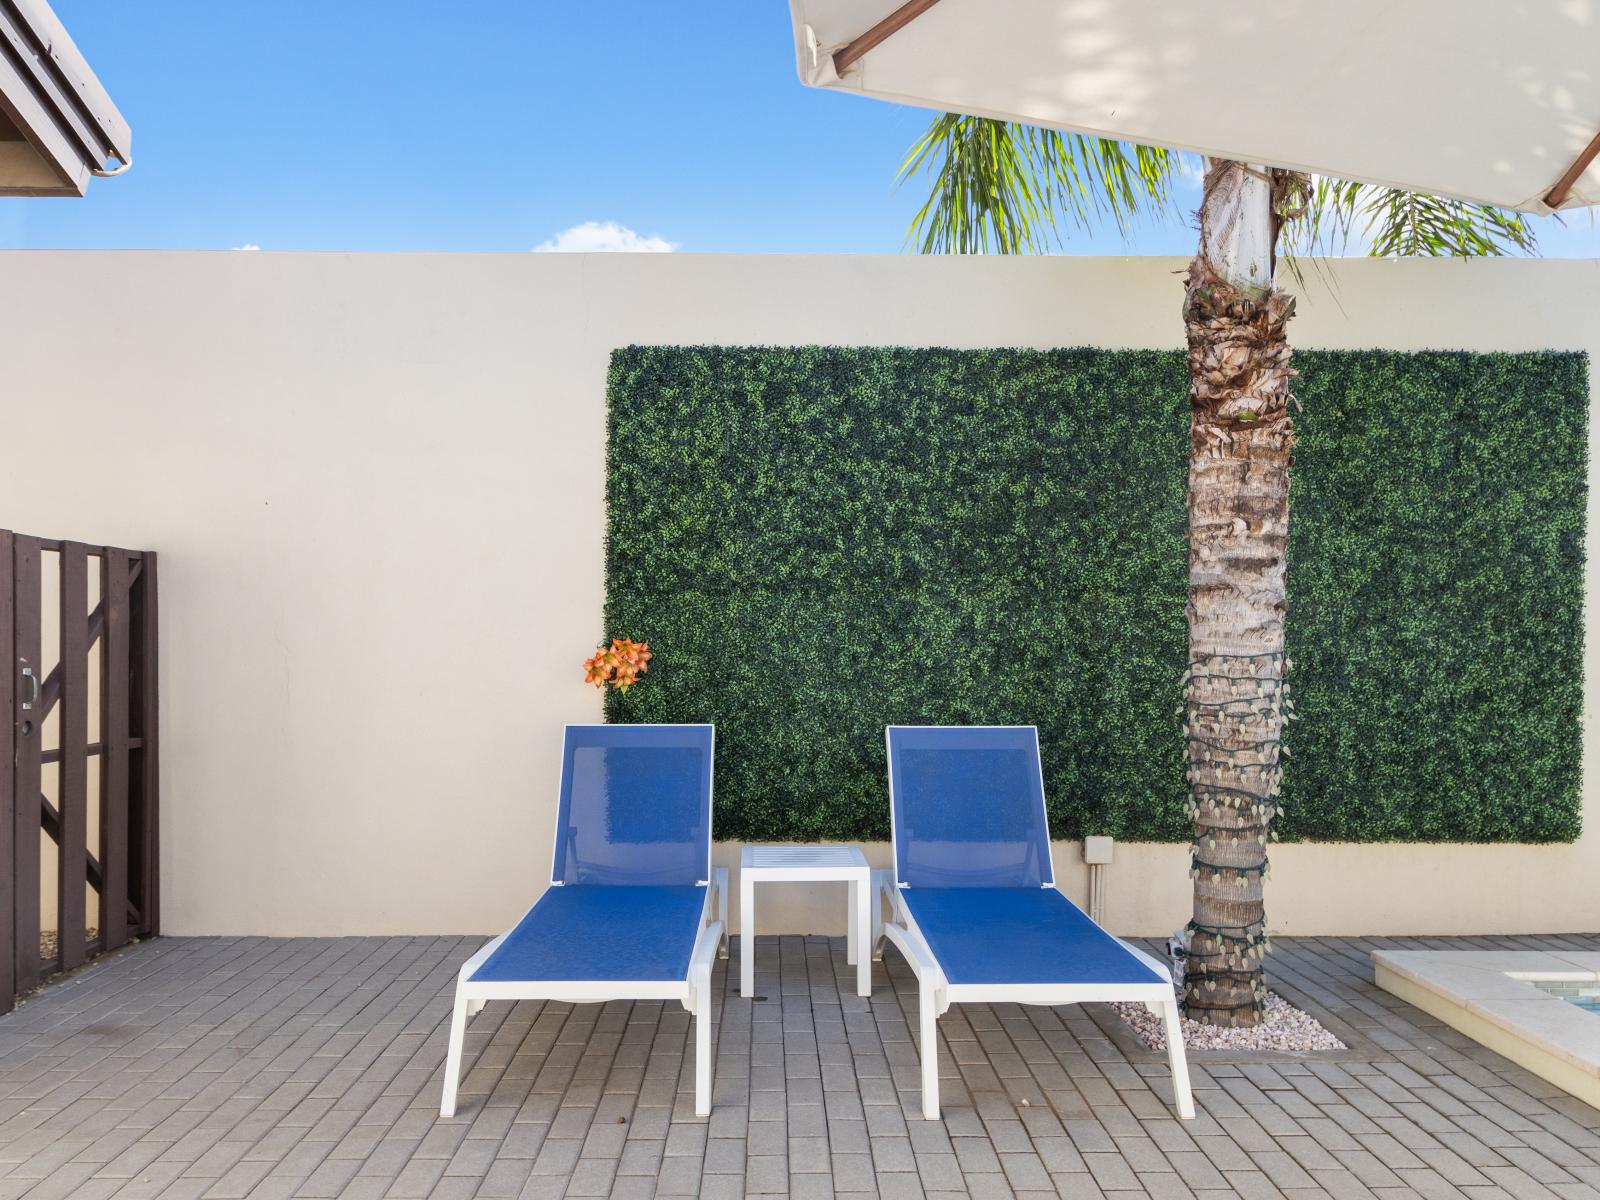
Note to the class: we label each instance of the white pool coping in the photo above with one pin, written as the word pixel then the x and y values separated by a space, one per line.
pixel 1490 996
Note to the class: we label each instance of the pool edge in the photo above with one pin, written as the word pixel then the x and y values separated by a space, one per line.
pixel 1542 1055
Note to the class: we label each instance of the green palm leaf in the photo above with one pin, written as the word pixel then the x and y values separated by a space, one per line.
pixel 1005 188
pixel 1393 223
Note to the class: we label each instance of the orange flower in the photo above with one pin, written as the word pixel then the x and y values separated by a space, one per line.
pixel 635 655
pixel 620 664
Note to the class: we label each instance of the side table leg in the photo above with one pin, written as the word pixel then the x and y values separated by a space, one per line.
pixel 747 935
pixel 852 946
pixel 863 903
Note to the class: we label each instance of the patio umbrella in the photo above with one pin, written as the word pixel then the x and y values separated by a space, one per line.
pixel 1495 102
pixel 1480 100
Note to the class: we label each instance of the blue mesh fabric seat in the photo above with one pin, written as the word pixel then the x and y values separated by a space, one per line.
pixel 592 932
pixel 634 909
pixel 1019 936
pixel 978 916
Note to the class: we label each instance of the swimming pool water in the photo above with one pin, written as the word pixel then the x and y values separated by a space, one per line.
pixel 1582 995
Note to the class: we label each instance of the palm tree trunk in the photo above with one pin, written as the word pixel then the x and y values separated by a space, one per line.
pixel 1241 438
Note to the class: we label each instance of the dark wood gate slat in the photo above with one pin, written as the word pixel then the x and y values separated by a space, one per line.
pixel 52 684
pixel 124 625
pixel 144 832
pixel 74 725
pixel 25 817
pixel 114 686
pixel 50 756
pixel 8 714
pixel 52 826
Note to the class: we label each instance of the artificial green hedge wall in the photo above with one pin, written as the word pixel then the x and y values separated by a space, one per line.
pixel 818 542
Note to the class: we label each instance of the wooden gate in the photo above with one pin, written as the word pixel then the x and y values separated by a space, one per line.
pixel 78 623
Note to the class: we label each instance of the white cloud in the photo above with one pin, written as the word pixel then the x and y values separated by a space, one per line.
pixel 596 237
pixel 1192 167
pixel 248 246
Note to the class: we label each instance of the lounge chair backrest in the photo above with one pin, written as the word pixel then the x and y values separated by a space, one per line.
pixel 635 805
pixel 967 806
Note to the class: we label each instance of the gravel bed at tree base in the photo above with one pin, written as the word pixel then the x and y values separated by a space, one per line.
pixel 1285 1028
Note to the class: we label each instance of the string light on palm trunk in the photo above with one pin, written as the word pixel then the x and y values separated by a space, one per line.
pixel 1230 701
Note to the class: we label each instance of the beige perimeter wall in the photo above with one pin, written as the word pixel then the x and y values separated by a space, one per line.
pixel 375 482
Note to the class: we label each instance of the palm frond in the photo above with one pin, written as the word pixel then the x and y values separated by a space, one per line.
pixel 1004 188
pixel 1392 223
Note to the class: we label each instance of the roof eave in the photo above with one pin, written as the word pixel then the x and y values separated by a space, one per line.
pixel 55 101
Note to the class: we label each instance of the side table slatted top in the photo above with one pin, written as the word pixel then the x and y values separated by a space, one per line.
pixel 803 857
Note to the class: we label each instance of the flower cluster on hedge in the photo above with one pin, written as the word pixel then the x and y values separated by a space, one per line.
pixel 620 664
pixel 822 541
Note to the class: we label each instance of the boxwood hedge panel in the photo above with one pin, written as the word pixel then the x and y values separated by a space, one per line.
pixel 818 542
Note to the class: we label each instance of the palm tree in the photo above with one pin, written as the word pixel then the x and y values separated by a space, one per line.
pixel 1010 189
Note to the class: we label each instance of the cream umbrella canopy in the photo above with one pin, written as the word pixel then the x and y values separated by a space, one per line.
pixel 1490 101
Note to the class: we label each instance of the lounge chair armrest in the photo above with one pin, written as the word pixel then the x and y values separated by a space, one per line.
pixel 719 906
pixel 470 967
pixel 1155 964
pixel 884 896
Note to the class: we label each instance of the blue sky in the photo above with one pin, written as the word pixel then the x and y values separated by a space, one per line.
pixel 493 125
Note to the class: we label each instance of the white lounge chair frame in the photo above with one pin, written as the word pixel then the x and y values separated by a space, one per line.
pixel 936 994
pixel 694 992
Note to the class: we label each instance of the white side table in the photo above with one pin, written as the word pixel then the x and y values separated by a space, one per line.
pixel 807 864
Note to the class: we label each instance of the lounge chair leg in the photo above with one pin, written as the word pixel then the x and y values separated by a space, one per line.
pixel 702 1043
pixel 930 1053
pixel 452 1059
pixel 474 1007
pixel 1181 1091
pixel 720 880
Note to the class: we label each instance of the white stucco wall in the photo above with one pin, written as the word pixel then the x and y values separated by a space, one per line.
pixel 375 482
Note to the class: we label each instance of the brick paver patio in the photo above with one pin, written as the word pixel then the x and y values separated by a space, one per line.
pixel 214 1067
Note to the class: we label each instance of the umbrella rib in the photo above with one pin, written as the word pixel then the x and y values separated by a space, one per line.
pixel 1579 165
pixel 881 32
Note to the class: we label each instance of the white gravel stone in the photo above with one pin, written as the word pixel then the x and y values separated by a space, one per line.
pixel 1285 1028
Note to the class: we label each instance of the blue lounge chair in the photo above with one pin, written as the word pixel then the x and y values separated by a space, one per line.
pixel 634 910
pixel 974 906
